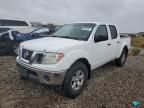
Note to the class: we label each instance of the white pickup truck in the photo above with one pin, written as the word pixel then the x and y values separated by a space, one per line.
pixel 68 57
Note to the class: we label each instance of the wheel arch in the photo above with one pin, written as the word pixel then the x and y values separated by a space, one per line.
pixel 123 47
pixel 87 64
pixel 126 48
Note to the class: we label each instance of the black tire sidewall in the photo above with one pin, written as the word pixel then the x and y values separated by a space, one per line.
pixel 68 91
pixel 123 53
pixel 119 61
pixel 23 78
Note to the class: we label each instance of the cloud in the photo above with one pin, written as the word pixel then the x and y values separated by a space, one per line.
pixel 127 14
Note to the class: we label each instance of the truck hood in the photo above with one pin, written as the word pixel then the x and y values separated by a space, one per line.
pixel 50 44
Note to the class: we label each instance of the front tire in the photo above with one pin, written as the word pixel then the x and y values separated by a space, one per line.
pixel 75 80
pixel 121 60
pixel 23 78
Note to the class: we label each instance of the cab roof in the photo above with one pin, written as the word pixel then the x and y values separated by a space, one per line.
pixel 97 23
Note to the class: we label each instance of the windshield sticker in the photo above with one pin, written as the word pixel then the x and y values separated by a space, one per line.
pixel 87 29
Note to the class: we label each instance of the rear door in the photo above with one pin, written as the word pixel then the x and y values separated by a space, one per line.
pixel 102 46
pixel 114 40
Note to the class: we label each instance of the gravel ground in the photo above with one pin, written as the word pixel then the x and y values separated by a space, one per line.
pixel 110 87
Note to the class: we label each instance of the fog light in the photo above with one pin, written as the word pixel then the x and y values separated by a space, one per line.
pixel 46 77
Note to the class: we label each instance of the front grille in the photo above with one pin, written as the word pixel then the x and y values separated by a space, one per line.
pixel 26 54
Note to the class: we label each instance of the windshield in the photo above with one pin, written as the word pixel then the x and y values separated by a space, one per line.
pixel 79 31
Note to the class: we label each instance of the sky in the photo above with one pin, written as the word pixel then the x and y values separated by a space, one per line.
pixel 127 14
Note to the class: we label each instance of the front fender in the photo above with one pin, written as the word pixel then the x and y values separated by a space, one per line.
pixel 66 62
pixel 73 56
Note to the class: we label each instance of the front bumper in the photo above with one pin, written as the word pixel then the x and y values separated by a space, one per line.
pixel 43 76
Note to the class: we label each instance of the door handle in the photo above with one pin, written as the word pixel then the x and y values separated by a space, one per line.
pixel 109 44
pixel 118 42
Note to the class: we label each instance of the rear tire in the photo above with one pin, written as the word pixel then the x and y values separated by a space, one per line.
pixel 23 78
pixel 121 60
pixel 75 80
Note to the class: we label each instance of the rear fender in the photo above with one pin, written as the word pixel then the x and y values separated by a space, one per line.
pixel 121 49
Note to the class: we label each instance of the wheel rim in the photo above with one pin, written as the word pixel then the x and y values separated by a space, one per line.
pixel 77 80
pixel 123 58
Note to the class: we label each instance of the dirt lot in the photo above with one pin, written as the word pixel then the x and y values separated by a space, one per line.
pixel 110 87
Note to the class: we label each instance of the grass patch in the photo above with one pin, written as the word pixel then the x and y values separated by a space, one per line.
pixel 137 42
pixel 135 51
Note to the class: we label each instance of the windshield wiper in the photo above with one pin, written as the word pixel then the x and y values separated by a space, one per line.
pixel 54 36
pixel 76 38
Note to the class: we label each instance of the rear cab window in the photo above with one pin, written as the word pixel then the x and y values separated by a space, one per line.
pixel 113 32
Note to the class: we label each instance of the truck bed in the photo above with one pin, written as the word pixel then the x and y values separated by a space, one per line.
pixel 124 36
pixel 126 39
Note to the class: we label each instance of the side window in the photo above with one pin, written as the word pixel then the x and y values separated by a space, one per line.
pixel 4 30
pixel 5 37
pixel 113 31
pixel 101 34
pixel 7 23
pixel 20 23
pixel 13 23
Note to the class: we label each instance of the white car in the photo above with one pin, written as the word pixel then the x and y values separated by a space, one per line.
pixel 68 57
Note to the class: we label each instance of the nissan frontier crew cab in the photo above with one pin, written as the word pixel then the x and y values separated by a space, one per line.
pixel 68 57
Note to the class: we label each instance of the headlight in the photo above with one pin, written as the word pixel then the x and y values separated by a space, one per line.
pixel 52 58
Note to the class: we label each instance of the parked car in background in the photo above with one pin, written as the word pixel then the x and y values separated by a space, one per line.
pixel 8 23
pixel 6 28
pixel 11 38
pixel 132 35
pixel 5 40
pixel 68 57
pixel 124 35
pixel 39 33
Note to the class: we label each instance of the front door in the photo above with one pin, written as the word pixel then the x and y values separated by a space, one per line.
pixel 102 46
